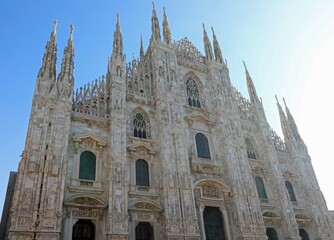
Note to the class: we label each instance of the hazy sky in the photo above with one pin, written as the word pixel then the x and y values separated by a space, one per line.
pixel 288 46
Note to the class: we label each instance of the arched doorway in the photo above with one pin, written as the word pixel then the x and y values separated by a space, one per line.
pixel 144 231
pixel 271 234
pixel 83 230
pixel 303 234
pixel 213 224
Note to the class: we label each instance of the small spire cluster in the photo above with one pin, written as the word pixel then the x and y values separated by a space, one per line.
pixel 47 80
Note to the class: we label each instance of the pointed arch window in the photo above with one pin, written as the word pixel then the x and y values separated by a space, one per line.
pixel 142 174
pixel 292 195
pixel 271 234
pixel 193 94
pixel 202 146
pixel 261 190
pixel 87 166
pixel 303 234
pixel 251 152
pixel 139 126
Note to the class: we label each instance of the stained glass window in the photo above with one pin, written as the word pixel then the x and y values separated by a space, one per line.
pixel 292 195
pixel 142 176
pixel 87 166
pixel 193 94
pixel 139 126
pixel 260 188
pixel 202 146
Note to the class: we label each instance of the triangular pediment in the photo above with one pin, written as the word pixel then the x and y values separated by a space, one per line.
pixel 141 148
pixel 89 138
pixel 199 118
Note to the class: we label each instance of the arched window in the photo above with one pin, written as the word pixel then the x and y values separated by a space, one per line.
pixel 292 195
pixel 271 234
pixel 142 176
pixel 303 234
pixel 251 153
pixel 202 146
pixel 260 188
pixel 193 94
pixel 139 126
pixel 87 166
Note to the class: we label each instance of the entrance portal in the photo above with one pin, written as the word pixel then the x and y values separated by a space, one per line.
pixel 213 224
pixel 83 230
pixel 144 231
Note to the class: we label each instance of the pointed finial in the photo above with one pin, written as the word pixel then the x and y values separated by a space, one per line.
pixel 164 10
pixel 71 33
pixel 117 14
pixel 153 5
pixel 245 66
pixel 284 102
pixel 55 23
pixel 213 32
pixel 141 51
pixel 203 26
pixel 276 99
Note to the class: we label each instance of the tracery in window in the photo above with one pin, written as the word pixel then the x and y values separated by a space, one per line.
pixel 142 174
pixel 139 126
pixel 260 188
pixel 202 146
pixel 251 152
pixel 87 166
pixel 193 94
pixel 292 195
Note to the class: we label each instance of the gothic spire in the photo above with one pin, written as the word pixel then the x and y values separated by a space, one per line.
pixel 142 53
pixel 283 119
pixel 216 48
pixel 166 29
pixel 207 45
pixel 156 37
pixel 292 124
pixel 251 88
pixel 67 64
pixel 49 62
pixel 118 40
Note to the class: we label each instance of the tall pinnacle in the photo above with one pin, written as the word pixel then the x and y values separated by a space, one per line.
pixel 292 123
pixel 251 88
pixel 207 45
pixel 216 48
pixel 142 53
pixel 67 64
pixel 283 119
pixel 166 29
pixel 118 40
pixel 156 37
pixel 49 61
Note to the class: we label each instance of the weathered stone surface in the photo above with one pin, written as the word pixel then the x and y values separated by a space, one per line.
pixel 203 145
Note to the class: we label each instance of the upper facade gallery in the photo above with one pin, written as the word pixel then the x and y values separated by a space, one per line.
pixel 163 147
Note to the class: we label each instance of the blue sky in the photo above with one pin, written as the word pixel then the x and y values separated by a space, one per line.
pixel 288 47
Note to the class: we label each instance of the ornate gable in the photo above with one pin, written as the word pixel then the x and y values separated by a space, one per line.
pixel 89 141
pixel 141 149
pixel 145 206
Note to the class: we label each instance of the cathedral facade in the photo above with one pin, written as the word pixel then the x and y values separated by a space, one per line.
pixel 162 147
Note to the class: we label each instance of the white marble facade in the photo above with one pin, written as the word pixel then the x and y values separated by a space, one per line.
pixel 178 153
